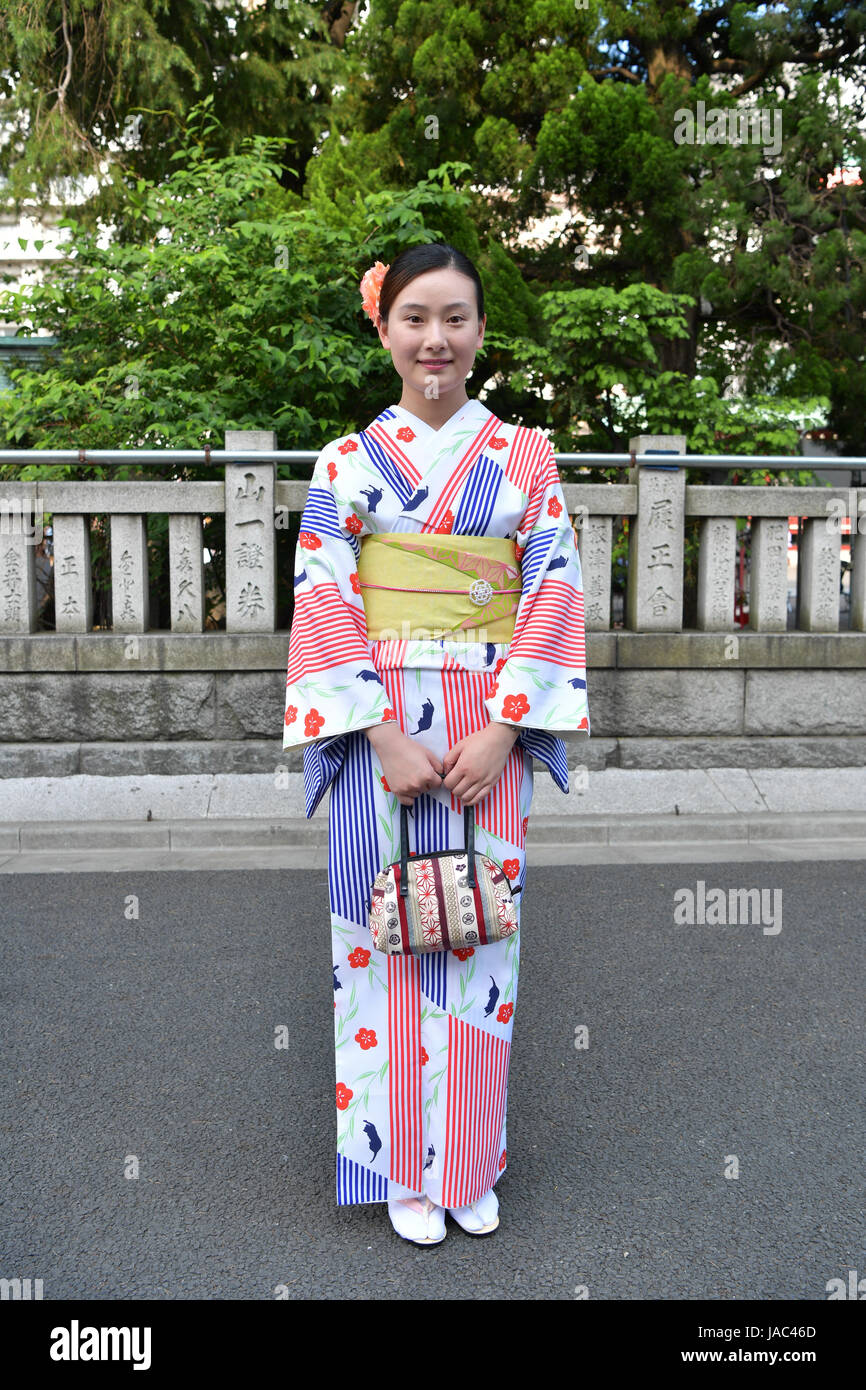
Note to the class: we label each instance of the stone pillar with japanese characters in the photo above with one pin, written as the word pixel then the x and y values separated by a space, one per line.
pixel 251 587
pixel 654 598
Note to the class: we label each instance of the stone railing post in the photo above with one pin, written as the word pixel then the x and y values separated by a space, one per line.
pixel 857 619
pixel 186 572
pixel 819 570
pixel 717 559
pixel 768 579
pixel 654 595
pixel 130 598
pixel 251 571
pixel 20 530
pixel 73 591
pixel 594 544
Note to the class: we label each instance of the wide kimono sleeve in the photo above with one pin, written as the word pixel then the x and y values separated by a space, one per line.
pixel 332 686
pixel 541 685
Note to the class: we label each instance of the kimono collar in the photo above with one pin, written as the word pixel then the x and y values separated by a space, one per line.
pixel 427 432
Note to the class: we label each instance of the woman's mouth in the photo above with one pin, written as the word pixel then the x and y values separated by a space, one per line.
pixel 434 362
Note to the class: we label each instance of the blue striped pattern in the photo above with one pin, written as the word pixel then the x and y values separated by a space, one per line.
pixel 549 749
pixel 357 1184
pixel 384 465
pixel 535 555
pixel 475 513
pixel 353 860
pixel 322 761
pixel 433 977
pixel 428 824
pixel 320 513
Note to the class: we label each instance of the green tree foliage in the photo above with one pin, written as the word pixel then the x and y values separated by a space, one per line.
pixel 235 306
pixel 103 89
pixel 762 256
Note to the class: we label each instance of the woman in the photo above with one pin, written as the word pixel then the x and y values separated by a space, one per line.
pixel 390 714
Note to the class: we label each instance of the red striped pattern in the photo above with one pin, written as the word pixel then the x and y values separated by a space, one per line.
pixel 500 812
pixel 326 632
pixel 463 695
pixel 400 460
pixel 528 448
pixel 404 1071
pixel 477 1083
pixel 389 653
pixel 543 488
pixel 551 626
pixel 393 680
pixel 448 493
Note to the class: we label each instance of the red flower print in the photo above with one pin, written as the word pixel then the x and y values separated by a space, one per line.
pixel 496 443
pixel 511 868
pixel 515 706
pixel 502 1159
pixel 309 540
pixel 493 689
pixel 366 1037
pixel 385 785
pixel 424 1058
pixel 525 824
pixel 348 448
pixel 359 958
pixel 518 552
pixel 505 1012
pixel 344 1095
pixel 499 665
pixel 355 582
pixel 388 714
pixel 446 523
pixel 354 524
pixel 554 507
pixel 313 723
pixel 464 952
pixel 406 434
pixel 291 714
pixel 332 471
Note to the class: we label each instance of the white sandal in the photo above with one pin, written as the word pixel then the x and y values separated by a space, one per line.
pixel 428 1229
pixel 478 1218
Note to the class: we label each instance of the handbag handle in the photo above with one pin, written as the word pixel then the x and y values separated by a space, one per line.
pixel 468 839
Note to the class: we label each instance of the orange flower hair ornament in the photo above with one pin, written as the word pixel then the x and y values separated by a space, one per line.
pixel 371 288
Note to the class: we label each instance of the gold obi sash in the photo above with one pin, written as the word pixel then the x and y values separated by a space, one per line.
pixel 462 588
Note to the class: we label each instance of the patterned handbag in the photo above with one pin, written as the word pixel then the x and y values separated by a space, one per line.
pixel 440 901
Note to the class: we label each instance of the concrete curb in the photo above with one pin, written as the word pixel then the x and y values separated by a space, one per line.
pixel 292 843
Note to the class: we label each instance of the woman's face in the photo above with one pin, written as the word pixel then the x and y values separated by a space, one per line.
pixel 434 320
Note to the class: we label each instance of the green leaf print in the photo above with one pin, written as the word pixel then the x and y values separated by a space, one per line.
pixel 436 1078
pixel 392 841
pixel 342 932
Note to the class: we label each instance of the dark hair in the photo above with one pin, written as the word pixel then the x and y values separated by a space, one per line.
pixel 417 260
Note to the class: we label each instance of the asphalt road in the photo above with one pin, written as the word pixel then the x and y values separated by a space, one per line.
pixel 153 1038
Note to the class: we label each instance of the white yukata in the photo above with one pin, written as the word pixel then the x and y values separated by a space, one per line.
pixel 422 1044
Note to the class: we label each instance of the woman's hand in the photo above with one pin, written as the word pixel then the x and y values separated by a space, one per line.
pixel 408 767
pixel 474 764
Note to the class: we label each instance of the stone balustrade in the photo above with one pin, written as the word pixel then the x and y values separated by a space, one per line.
pixel 656 501
pixel 127 698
